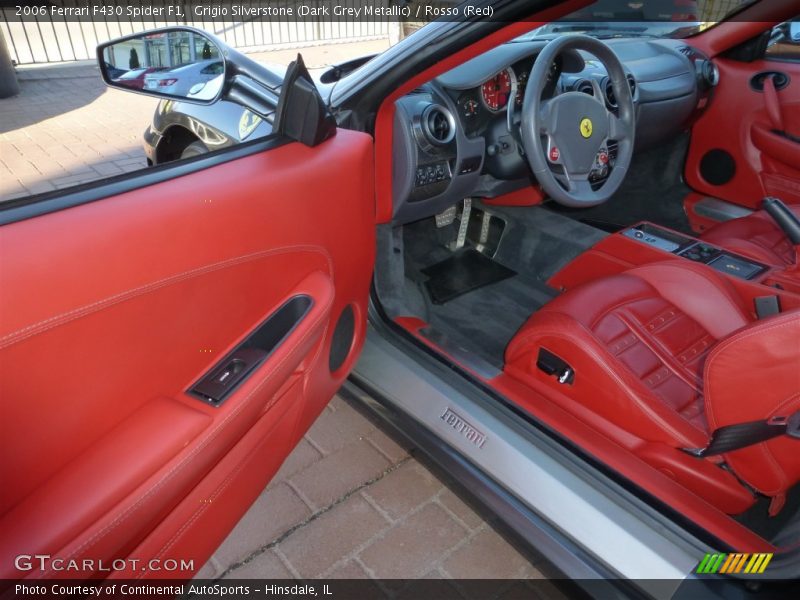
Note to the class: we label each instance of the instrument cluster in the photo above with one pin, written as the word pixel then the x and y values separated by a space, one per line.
pixel 479 105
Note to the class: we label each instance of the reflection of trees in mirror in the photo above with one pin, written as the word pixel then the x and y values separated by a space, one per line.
pixel 170 50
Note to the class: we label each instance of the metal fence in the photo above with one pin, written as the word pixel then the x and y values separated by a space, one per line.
pixel 48 38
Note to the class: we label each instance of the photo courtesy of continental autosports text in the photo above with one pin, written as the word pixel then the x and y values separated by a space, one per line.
pixel 388 299
pixel 194 590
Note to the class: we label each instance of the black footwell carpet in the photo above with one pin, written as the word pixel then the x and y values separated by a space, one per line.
pixel 536 244
pixel 461 273
pixel 486 319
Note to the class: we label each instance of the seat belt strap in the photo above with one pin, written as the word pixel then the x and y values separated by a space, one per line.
pixel 742 435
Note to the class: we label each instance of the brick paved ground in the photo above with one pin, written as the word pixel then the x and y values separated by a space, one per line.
pixel 67 127
pixel 352 503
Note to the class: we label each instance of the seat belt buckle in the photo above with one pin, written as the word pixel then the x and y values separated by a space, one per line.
pixel 741 435
pixel 767 306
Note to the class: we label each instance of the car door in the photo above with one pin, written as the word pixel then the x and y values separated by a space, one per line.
pixel 166 338
pixel 747 143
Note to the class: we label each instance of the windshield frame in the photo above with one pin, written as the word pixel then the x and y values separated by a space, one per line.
pixel 620 27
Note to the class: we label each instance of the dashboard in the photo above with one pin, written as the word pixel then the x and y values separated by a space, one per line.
pixel 457 136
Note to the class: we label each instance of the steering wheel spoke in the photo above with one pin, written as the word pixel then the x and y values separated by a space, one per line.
pixel 597 92
pixel 618 129
pixel 577 184
pixel 563 179
pixel 545 116
pixel 580 186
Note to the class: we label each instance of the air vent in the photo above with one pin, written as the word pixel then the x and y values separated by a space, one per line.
pixel 438 125
pixel 584 86
pixel 609 91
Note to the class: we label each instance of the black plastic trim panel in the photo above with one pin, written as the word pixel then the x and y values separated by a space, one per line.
pixel 229 373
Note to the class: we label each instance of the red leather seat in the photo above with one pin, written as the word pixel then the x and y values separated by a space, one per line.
pixel 755 236
pixel 669 352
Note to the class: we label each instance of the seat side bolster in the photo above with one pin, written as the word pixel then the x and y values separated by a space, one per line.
pixel 601 384
pixel 754 375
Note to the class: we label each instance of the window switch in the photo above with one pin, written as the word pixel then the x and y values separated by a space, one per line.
pixel 228 373
pixel 221 381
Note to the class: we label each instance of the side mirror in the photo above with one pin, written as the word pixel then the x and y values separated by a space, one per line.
pixel 177 62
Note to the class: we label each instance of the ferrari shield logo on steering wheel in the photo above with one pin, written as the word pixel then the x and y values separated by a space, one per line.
pixel 586 127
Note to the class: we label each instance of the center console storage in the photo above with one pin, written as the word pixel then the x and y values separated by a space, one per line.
pixel 692 249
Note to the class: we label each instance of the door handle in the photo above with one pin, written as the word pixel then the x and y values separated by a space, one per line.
pixel 780 79
pixel 224 377
pixel 773 103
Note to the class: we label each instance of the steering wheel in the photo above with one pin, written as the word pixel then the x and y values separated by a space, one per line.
pixel 566 138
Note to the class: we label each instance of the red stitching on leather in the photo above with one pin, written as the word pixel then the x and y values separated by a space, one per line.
pixel 663 354
pixel 224 484
pixel 212 434
pixel 57 320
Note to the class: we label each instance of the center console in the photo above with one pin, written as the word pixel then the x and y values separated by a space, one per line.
pixel 645 243
pixel 695 250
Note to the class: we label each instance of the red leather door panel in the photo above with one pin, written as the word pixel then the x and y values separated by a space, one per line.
pixel 111 310
pixel 739 121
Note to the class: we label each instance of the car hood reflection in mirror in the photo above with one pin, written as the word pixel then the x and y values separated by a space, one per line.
pixel 175 63
pixel 207 90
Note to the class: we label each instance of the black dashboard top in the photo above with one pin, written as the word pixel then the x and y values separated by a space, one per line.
pixel 483 157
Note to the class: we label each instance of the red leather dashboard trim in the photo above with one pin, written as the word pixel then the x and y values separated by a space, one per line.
pixel 527 196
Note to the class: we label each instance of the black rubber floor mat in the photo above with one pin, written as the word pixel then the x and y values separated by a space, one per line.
pixel 461 273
